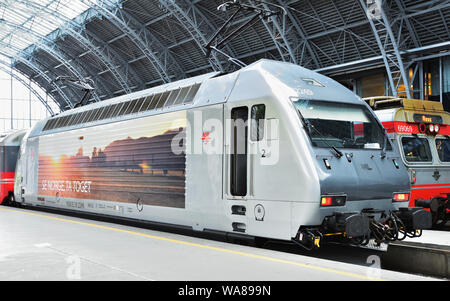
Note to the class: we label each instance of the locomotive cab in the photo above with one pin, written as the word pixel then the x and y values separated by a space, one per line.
pixel 336 164
pixel 421 130
pixel 360 176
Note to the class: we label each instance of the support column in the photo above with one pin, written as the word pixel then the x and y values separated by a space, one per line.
pixel 388 45
pixel 421 83
pixel 46 101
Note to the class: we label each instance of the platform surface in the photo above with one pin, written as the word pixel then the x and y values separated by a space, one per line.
pixel 434 237
pixel 36 245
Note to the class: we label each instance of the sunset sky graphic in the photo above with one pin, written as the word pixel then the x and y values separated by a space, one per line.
pixel 67 144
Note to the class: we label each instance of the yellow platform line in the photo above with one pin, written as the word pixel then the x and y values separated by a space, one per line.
pixel 262 257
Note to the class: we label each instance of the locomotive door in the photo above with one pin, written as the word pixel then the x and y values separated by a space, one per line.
pixel 236 166
pixel 247 151
pixel 237 152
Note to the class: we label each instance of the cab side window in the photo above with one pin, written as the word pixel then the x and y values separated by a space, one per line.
pixel 416 149
pixel 258 114
pixel 443 149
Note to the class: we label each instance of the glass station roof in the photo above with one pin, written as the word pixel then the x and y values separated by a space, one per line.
pixel 27 22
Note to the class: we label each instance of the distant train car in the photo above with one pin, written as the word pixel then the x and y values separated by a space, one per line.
pixel 9 149
pixel 421 129
pixel 269 151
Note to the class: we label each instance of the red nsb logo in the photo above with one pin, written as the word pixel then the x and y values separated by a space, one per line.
pixel 206 138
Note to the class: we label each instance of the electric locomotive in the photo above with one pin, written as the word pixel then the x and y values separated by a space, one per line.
pixel 421 130
pixel 272 150
pixel 9 148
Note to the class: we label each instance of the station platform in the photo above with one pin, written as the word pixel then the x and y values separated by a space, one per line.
pixel 434 237
pixel 428 254
pixel 37 245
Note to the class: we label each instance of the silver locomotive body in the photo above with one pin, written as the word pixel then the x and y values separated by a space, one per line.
pixel 232 153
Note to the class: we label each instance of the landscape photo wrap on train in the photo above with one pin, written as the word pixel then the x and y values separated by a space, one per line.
pixel 112 163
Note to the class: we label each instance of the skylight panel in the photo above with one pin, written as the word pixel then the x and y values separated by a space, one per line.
pixel 24 22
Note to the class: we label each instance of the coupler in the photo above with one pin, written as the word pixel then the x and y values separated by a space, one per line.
pixel 353 224
pixel 414 218
pixel 439 207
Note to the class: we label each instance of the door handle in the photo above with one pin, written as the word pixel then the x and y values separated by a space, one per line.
pixel 227 172
pixel 252 156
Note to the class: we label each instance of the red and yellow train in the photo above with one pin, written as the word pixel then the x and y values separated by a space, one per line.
pixel 421 130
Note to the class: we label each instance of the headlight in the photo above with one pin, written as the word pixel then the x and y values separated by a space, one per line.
pixel 400 197
pixel 333 200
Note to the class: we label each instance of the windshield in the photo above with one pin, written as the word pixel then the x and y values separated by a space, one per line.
pixel 341 125
pixel 416 149
pixel 443 149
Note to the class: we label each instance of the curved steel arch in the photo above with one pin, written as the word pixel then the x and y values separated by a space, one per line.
pixel 90 74
pixel 411 30
pixel 71 67
pixel 300 32
pixel 123 25
pixel 47 79
pixel 200 15
pixel 69 28
pixel 29 87
pixel 283 46
pixel 191 26
pixel 8 65
pixel 387 43
pixel 74 60
pixel 38 70
pixel 105 56
pixel 53 51
pixel 167 59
